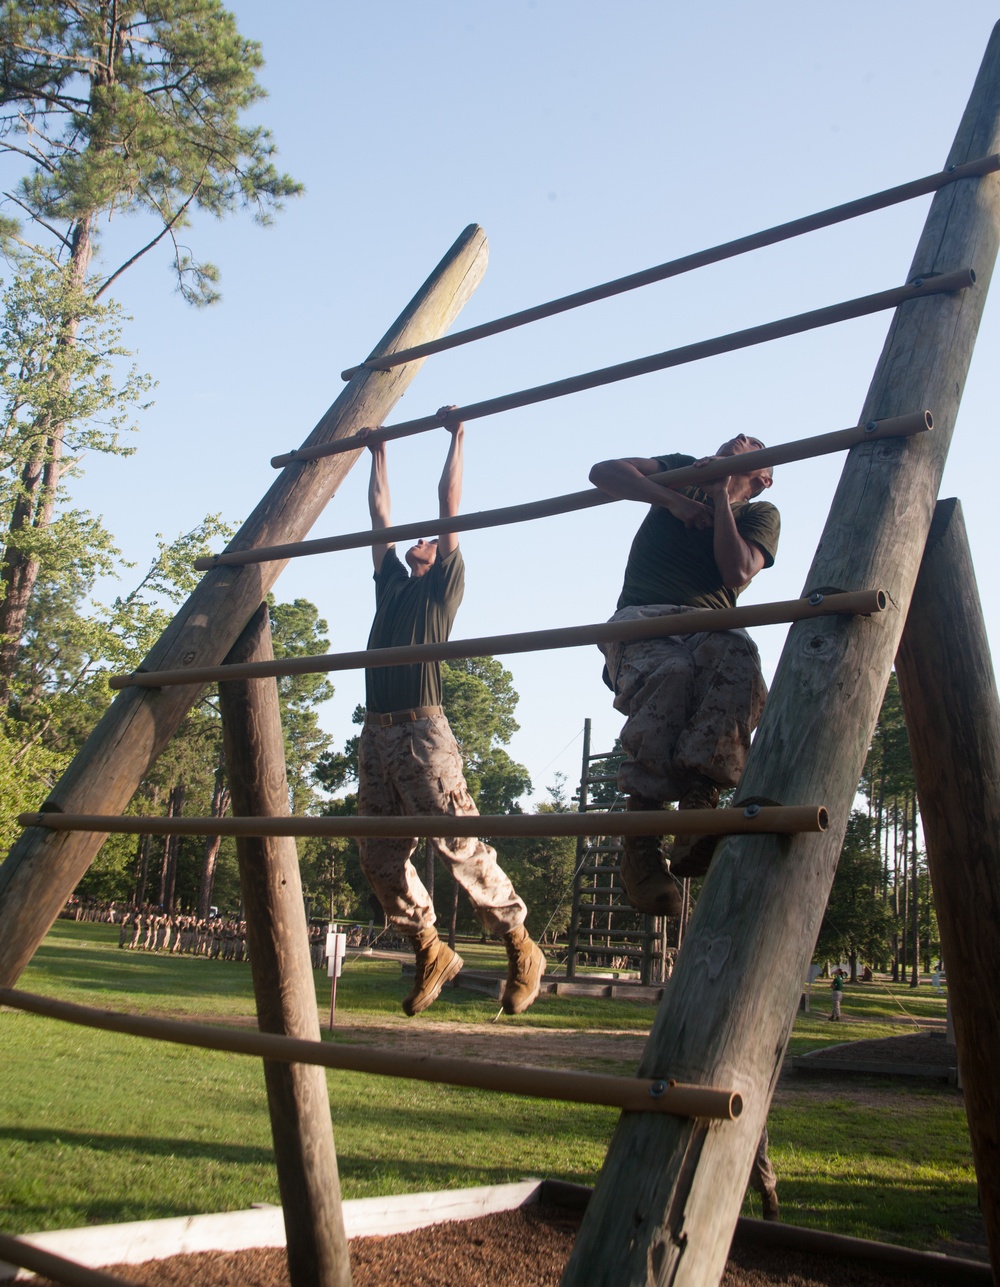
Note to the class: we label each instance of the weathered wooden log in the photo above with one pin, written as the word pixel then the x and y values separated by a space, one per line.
pixel 957 279
pixel 687 263
pixel 281 967
pixel 633 1094
pixel 57 1268
pixel 757 614
pixel 43 868
pixel 952 714
pixel 781 819
pixel 783 454
pixel 667 1200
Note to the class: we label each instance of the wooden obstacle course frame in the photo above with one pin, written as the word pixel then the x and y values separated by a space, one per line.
pixel 663 1220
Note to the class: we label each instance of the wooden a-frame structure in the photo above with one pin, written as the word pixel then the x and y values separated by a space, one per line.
pixel 667 1200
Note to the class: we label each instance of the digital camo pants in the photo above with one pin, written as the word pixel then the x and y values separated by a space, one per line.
pixel 690 702
pixel 416 768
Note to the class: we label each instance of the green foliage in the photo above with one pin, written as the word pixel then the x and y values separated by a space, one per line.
pixel 131 108
pixel 480 700
pixel 541 868
pixel 108 110
pixel 78 391
pixel 857 922
pixel 298 631
pixel 889 783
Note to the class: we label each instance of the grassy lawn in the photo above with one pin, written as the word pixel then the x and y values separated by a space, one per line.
pixel 98 1128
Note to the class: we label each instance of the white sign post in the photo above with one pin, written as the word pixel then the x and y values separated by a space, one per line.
pixel 336 950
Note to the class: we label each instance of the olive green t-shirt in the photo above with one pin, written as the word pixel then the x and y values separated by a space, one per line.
pixel 671 563
pixel 412 610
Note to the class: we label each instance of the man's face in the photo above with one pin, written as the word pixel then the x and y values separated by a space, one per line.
pixel 735 446
pixel 420 557
pixel 760 479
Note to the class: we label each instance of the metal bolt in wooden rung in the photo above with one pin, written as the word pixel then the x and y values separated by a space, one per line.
pixel 632 1094
pixel 784 819
pixel 849 603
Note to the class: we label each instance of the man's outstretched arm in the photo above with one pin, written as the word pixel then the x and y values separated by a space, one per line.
pixel 450 486
pixel 378 499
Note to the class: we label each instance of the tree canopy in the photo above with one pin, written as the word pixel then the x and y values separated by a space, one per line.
pixel 106 109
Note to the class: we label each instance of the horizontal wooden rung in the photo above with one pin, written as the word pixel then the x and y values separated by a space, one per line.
pixel 832 314
pixel 633 1094
pixel 852 603
pixel 780 454
pixel 752 820
pixel 687 263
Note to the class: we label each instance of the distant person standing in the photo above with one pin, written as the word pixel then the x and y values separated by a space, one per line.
pixel 837 987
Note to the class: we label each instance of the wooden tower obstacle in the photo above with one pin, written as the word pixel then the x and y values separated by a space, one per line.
pixel 666 1203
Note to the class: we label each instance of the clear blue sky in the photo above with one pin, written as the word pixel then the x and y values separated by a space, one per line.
pixel 590 141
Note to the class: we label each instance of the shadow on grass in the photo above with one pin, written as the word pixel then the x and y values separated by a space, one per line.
pixel 150 1146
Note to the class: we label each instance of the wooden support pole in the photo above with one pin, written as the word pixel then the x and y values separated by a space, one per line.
pixel 632 1094
pixel 57 1268
pixel 700 259
pixel 755 820
pixel 783 454
pixel 667 1200
pixel 952 714
pixel 43 868
pixel 757 614
pixel 920 287
pixel 281 967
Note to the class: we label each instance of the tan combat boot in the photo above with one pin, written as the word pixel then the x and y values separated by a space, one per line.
pixel 526 965
pixel 691 856
pixel 649 887
pixel 436 965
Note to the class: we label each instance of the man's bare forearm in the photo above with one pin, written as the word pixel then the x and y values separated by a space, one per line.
pixel 737 561
pixel 379 504
pixel 450 486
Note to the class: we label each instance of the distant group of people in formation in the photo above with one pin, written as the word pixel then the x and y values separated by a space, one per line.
pixel 218 938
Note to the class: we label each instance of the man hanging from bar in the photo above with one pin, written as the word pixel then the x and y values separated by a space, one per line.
pixel 409 762
pixel 690 701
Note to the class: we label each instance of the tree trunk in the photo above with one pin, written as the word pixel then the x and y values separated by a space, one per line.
pixel 220 803
pixel 35 505
pixel 168 873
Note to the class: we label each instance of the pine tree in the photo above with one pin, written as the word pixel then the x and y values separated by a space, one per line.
pixel 111 109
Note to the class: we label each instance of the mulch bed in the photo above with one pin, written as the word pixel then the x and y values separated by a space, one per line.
pixel 528 1247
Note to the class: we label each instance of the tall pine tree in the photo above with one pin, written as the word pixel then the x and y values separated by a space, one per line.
pixel 111 109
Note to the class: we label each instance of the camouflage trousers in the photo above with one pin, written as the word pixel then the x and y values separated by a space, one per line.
pixel 762 1176
pixel 416 768
pixel 690 702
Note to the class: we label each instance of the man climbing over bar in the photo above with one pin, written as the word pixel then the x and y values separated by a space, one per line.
pixel 690 701
pixel 409 762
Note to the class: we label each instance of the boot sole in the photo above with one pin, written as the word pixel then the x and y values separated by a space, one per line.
pixel 454 967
